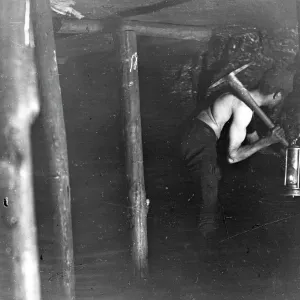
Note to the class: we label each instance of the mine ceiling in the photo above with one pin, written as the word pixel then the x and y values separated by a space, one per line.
pixel 261 13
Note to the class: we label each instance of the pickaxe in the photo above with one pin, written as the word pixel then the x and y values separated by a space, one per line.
pixel 246 97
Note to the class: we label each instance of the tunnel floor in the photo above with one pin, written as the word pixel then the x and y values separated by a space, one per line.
pixel 254 255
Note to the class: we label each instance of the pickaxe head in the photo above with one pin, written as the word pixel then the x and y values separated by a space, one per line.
pixel 225 78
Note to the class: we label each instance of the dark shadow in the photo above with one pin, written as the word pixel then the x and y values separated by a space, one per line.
pixel 149 9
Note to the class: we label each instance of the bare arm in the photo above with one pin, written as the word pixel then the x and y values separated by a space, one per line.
pixel 242 116
pixel 237 134
pixel 254 137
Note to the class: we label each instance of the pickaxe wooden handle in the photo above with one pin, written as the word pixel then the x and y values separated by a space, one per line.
pixel 225 78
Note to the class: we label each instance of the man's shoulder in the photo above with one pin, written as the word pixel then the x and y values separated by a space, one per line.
pixel 227 98
pixel 237 103
pixel 230 102
pixel 241 110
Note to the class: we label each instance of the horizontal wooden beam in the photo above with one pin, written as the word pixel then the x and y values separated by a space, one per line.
pixel 82 44
pixel 172 31
pixel 93 36
pixel 79 26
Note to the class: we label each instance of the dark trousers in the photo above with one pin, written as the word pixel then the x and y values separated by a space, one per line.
pixel 198 150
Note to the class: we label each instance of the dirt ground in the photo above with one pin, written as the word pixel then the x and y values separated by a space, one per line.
pixel 255 254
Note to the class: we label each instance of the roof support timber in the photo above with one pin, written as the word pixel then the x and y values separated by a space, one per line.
pixel 134 153
pixel 19 107
pixel 54 137
pixel 83 44
pixel 93 36
pixel 171 31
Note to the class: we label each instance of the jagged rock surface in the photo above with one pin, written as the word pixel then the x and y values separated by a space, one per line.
pixel 233 47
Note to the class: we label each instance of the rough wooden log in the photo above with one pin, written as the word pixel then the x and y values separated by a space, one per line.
pixel 79 27
pixel 172 31
pixel 93 37
pixel 53 125
pixel 169 31
pixel 135 167
pixel 84 44
pixel 19 107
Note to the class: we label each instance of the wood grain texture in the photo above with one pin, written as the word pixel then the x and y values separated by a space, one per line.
pixel 54 135
pixel 134 153
pixel 19 106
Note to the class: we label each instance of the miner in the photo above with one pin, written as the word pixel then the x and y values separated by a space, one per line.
pixel 200 136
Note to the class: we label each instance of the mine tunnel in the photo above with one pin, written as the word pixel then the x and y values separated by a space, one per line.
pixel 84 231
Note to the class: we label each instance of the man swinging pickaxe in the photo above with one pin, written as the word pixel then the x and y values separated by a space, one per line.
pixel 198 143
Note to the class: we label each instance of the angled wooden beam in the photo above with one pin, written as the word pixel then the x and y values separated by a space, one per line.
pixel 54 132
pixel 19 106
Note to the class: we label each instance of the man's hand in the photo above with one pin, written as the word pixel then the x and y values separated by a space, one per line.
pixel 276 135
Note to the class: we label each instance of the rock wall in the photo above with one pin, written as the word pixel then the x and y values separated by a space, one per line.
pixel 230 48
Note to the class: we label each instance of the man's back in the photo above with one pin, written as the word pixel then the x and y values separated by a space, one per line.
pixel 225 107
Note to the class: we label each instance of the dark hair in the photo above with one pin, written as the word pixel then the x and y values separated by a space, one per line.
pixel 266 88
pixel 275 81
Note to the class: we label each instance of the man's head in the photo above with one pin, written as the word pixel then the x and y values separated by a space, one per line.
pixel 274 86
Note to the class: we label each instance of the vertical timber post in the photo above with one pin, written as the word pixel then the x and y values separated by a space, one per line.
pixel 53 124
pixel 19 106
pixel 135 167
